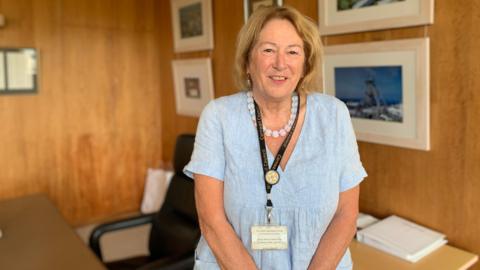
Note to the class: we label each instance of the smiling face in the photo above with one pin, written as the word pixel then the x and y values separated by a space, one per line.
pixel 276 60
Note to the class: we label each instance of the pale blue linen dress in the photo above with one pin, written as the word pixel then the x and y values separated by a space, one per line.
pixel 324 162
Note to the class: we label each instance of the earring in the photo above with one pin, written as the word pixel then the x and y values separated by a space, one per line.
pixel 249 81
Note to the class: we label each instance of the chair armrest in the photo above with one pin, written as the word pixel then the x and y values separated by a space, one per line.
pixel 183 264
pixel 100 230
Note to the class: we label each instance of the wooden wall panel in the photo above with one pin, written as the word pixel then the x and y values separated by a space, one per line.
pixel 227 19
pixel 88 136
pixel 436 188
pixel 439 188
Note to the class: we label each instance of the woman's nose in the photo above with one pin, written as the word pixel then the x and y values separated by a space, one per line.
pixel 279 61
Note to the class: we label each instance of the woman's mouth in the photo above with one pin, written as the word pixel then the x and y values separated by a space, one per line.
pixel 278 78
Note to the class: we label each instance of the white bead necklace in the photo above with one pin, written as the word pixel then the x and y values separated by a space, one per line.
pixel 274 133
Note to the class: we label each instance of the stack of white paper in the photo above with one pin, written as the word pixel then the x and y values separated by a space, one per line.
pixel 365 220
pixel 401 238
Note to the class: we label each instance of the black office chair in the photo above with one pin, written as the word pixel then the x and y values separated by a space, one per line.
pixel 175 231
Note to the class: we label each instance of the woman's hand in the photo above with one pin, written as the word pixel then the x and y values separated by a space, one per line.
pixel 221 238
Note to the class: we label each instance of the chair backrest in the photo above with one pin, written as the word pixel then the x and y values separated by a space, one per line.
pixel 175 231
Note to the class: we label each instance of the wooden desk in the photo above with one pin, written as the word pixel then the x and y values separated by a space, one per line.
pixel 35 236
pixel 444 258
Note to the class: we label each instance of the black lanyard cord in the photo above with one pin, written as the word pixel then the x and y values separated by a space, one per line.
pixel 263 149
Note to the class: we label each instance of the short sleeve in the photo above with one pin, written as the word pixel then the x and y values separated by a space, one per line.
pixel 351 169
pixel 208 157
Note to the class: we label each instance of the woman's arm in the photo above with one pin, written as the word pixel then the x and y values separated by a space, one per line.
pixel 339 233
pixel 221 238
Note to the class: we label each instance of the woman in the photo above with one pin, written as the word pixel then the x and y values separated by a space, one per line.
pixel 283 196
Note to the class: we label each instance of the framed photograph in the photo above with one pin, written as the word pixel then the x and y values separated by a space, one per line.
pixel 346 16
pixel 385 86
pixel 192 25
pixel 193 85
pixel 249 6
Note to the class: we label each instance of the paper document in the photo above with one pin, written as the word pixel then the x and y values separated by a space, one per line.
pixel 365 220
pixel 401 238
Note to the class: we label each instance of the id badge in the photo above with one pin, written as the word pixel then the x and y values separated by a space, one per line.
pixel 269 237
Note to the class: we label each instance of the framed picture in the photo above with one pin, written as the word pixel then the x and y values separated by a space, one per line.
pixel 249 6
pixel 385 86
pixel 346 16
pixel 192 25
pixel 18 71
pixel 193 85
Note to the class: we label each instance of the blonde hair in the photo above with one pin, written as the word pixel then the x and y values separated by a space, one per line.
pixel 306 29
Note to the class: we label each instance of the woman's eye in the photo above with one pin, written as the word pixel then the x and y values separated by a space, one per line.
pixel 268 50
pixel 294 52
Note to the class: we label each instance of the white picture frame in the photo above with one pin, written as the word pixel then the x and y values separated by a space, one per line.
pixel 193 85
pixel 192 25
pixel 392 15
pixel 386 88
